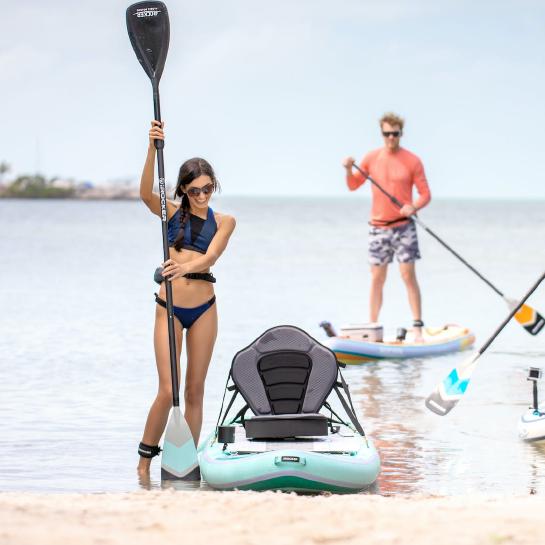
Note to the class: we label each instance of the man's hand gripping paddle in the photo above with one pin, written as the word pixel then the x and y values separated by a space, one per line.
pixel 526 316
pixel 149 32
pixel 451 390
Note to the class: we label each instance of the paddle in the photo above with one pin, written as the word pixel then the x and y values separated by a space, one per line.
pixel 526 316
pixel 450 391
pixel 149 32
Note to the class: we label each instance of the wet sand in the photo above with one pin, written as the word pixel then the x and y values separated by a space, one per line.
pixel 238 518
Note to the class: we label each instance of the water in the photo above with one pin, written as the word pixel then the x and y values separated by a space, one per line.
pixel 77 372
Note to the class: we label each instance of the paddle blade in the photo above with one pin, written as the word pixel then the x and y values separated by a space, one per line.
pixel 149 31
pixel 179 459
pixel 452 388
pixel 530 319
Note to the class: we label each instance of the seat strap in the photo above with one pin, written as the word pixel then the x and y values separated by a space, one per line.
pixel 348 408
pixel 333 413
pixel 349 412
pixel 241 413
pixel 230 404
pixel 347 392
pixel 222 402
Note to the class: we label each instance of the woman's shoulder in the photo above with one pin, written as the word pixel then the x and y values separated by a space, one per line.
pixel 173 208
pixel 224 219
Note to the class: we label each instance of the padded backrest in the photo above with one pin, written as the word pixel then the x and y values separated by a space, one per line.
pixel 284 371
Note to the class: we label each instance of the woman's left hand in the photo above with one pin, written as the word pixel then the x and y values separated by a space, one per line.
pixel 172 269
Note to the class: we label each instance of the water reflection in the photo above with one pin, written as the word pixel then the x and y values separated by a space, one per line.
pixel 475 450
pixel 147 483
pixel 536 454
pixel 384 393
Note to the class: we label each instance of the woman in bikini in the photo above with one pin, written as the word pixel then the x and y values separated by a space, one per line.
pixel 197 237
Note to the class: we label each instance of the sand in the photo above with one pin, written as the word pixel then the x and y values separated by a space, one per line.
pixel 229 518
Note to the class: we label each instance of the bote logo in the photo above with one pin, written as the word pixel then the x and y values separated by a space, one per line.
pixel 147 12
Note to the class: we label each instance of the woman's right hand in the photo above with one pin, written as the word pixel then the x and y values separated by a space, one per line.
pixel 156 132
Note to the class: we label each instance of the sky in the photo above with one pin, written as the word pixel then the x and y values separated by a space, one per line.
pixel 276 94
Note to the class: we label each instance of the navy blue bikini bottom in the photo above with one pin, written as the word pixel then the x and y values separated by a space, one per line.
pixel 187 316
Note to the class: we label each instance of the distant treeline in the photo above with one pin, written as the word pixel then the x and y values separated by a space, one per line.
pixel 36 187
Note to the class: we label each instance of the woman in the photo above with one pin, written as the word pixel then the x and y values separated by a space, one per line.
pixel 197 237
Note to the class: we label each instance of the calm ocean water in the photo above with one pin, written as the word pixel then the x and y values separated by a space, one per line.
pixel 77 372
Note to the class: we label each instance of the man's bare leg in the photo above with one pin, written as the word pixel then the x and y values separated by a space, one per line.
pixel 408 274
pixel 378 277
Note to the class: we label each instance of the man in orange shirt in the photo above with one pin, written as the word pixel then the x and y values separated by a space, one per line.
pixel 391 230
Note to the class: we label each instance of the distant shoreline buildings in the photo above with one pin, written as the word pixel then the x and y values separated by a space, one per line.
pixel 38 187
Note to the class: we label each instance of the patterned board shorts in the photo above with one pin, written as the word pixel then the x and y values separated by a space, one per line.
pixel 401 241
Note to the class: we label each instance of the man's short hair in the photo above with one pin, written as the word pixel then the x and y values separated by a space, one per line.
pixel 392 119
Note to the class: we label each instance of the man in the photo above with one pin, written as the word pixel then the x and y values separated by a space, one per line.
pixel 391 231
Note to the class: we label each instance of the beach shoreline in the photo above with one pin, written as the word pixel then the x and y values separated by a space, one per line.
pixel 236 518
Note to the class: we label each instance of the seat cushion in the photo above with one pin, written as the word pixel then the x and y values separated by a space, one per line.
pixel 284 426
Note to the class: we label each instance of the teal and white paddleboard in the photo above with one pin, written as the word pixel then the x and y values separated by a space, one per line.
pixel 343 462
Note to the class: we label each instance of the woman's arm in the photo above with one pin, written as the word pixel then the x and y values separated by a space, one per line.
pixel 151 199
pixel 216 248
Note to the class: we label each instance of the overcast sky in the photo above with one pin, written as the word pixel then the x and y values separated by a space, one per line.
pixel 275 94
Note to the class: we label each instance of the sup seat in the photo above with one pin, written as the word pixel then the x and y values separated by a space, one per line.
pixel 285 376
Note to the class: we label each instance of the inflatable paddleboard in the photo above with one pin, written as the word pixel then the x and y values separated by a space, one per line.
pixel 437 341
pixel 343 462
pixel 531 425
pixel 286 435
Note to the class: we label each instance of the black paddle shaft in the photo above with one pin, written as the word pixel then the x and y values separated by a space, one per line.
pixel 417 220
pixel 149 31
pixel 159 144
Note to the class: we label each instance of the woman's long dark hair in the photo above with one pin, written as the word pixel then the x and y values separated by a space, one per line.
pixel 190 171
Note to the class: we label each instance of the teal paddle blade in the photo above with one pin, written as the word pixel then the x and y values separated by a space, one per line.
pixel 179 460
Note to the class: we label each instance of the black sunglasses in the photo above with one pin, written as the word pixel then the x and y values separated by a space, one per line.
pixel 387 134
pixel 196 191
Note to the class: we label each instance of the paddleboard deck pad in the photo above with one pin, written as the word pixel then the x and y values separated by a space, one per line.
pixel 437 341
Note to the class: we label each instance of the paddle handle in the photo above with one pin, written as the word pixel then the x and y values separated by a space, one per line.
pixel 159 145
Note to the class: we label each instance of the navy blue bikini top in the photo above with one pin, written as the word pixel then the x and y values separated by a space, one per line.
pixel 198 233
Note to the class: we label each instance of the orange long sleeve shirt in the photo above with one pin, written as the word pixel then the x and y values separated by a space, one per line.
pixel 397 172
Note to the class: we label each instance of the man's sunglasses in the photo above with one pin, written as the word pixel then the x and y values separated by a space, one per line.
pixel 387 134
pixel 196 191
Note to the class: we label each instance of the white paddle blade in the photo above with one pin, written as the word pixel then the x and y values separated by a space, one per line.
pixel 179 460
pixel 452 388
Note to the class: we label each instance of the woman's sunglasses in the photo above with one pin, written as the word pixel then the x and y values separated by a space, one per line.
pixel 196 191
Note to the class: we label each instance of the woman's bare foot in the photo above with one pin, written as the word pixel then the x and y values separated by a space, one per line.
pixel 143 467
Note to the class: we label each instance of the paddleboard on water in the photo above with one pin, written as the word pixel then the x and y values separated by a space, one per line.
pixel 437 341
pixel 280 439
pixel 343 462
pixel 531 424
